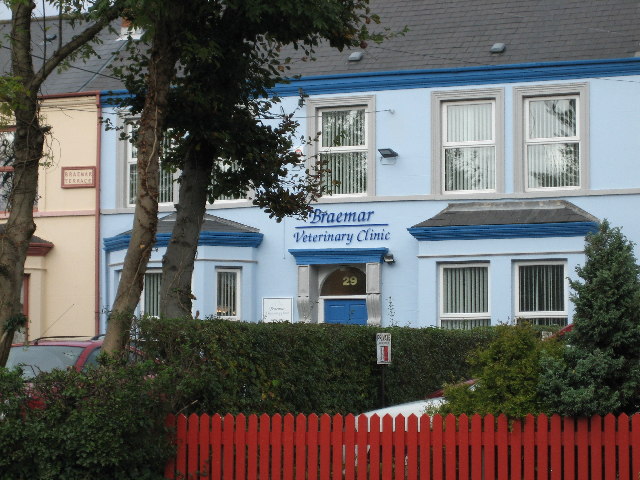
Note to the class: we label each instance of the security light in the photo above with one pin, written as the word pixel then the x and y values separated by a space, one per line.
pixel 388 152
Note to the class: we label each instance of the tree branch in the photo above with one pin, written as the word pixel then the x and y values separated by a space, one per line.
pixel 74 44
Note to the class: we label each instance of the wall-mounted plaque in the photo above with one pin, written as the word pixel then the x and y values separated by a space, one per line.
pixel 78 177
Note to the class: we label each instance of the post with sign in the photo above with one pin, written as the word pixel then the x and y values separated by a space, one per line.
pixel 383 351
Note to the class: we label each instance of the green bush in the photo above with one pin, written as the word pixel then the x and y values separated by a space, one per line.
pixel 506 374
pixel 600 373
pixel 235 367
pixel 106 423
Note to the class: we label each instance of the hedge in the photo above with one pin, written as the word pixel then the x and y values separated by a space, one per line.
pixel 236 367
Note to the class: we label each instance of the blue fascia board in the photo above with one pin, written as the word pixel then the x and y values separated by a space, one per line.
pixel 481 232
pixel 441 77
pixel 451 77
pixel 332 256
pixel 222 239
pixel 109 98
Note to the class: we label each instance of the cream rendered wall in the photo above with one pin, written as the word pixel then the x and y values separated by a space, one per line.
pixel 62 285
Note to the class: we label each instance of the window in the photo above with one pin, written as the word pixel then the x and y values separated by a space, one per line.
pixel 552 151
pixel 222 168
pixel 228 293
pixel 6 168
pixel 467 129
pixel 464 296
pixel 167 185
pixel 345 146
pixel 541 293
pixel 150 299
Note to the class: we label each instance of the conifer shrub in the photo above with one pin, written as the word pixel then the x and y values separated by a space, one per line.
pixel 600 372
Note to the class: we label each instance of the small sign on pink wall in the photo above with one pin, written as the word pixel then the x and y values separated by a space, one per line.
pixel 78 177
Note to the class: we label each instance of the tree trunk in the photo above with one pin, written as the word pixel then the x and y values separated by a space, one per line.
pixel 28 147
pixel 162 68
pixel 14 240
pixel 177 264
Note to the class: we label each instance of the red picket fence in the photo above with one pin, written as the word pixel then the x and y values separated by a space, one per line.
pixel 453 448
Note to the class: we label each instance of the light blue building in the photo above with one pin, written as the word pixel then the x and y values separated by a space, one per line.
pixel 481 148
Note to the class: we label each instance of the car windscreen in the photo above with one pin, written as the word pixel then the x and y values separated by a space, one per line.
pixel 34 359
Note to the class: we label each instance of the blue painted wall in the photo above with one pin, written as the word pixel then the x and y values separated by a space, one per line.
pixel 404 197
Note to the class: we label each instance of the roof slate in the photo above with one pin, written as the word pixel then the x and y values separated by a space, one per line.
pixel 211 223
pixel 442 34
pixel 508 213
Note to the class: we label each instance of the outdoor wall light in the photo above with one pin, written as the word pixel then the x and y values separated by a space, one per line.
pixel 388 258
pixel 388 152
pixel 388 156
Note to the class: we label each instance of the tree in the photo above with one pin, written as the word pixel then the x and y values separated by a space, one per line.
pixel 164 25
pixel 228 59
pixel 506 375
pixel 19 96
pixel 600 372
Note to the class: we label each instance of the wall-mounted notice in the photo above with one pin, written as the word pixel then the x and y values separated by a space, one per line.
pixel 277 309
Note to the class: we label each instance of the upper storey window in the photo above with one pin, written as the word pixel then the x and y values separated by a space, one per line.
pixel 345 146
pixel 6 168
pixel 468 146
pixel 552 143
pixel 551 137
pixel 167 186
pixel 467 135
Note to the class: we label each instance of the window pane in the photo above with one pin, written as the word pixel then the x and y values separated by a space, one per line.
pixel 552 118
pixel 6 168
pixel 470 168
pixel 343 128
pixel 465 290
pixel 151 294
pixel 553 165
pixel 347 172
pixel 165 187
pixel 466 123
pixel 227 294
pixel 226 167
pixel 133 183
pixel 541 288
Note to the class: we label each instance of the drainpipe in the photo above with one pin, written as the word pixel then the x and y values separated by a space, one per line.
pixel 97 214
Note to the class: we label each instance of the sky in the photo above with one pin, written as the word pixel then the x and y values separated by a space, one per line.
pixel 5 13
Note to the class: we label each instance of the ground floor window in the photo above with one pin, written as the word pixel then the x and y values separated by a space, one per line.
pixel 541 293
pixel 228 293
pixel 150 299
pixel 464 296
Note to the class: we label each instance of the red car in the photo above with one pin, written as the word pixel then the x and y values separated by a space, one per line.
pixel 50 353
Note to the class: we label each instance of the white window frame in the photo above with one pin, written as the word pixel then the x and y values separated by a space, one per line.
pixel 315 108
pixel 238 273
pixel 141 304
pixel 462 316
pixel 540 314
pixel 439 101
pixel 525 94
pixel 130 160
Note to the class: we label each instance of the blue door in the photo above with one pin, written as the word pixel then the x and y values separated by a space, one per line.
pixel 347 311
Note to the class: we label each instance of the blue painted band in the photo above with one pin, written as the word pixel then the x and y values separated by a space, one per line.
pixel 478 232
pixel 222 239
pixel 483 75
pixel 333 256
